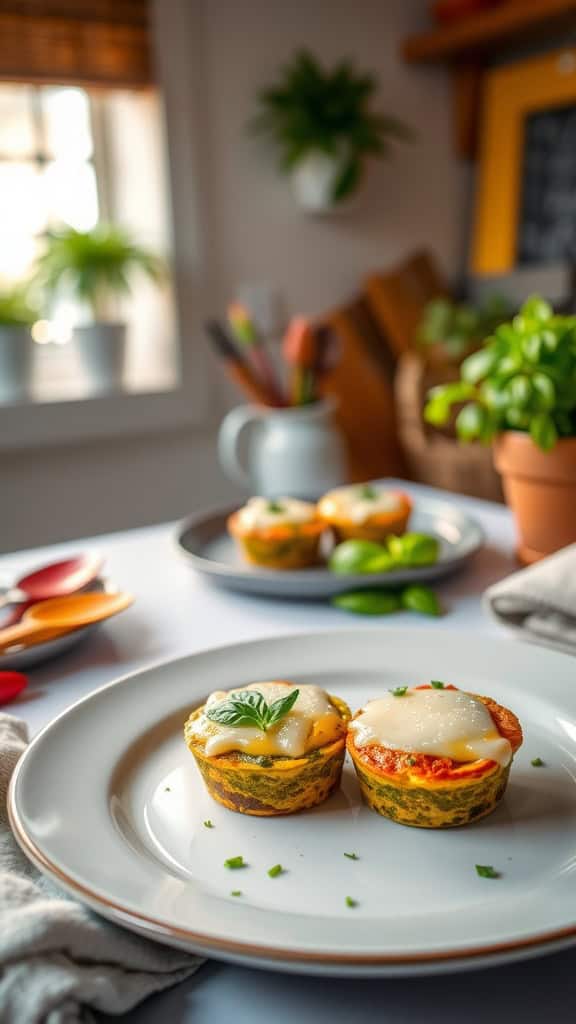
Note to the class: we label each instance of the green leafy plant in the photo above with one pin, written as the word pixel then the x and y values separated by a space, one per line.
pixel 249 708
pixel 17 308
pixel 95 266
pixel 458 327
pixel 311 109
pixel 523 378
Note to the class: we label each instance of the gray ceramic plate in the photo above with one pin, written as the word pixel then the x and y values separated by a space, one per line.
pixel 209 549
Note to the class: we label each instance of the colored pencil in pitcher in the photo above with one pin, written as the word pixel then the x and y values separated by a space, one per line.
pixel 235 365
pixel 298 349
pixel 248 336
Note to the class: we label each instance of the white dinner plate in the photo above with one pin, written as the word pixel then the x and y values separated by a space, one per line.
pixel 211 551
pixel 108 801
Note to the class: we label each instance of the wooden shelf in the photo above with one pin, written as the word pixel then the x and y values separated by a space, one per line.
pixel 485 33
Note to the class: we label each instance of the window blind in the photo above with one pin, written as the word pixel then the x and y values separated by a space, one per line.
pixel 81 42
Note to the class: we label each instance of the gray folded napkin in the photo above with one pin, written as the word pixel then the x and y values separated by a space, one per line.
pixel 58 960
pixel 540 601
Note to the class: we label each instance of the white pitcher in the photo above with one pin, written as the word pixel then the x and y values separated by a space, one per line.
pixel 297 452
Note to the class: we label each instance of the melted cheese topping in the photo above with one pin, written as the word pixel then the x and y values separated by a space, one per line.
pixel 351 504
pixel 257 513
pixel 443 723
pixel 312 722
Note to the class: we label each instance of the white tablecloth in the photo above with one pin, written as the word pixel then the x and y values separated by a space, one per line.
pixel 176 613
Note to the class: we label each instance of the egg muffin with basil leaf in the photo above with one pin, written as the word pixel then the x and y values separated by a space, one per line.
pixel 365 512
pixel 269 748
pixel 281 534
pixel 433 756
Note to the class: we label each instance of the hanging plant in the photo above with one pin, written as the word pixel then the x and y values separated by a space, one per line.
pixel 323 128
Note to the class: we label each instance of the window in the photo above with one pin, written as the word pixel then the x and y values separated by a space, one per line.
pixel 76 156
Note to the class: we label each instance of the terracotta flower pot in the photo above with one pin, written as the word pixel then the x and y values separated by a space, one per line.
pixel 540 488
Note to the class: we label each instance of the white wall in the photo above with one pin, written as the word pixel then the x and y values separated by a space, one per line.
pixel 254 233
pixel 415 198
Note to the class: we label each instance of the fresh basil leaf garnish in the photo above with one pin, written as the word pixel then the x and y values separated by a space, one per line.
pixel 281 707
pixel 244 708
pixel 248 707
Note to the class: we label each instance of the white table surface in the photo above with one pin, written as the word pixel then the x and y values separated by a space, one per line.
pixel 176 613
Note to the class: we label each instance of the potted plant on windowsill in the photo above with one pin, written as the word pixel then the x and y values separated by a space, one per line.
pixel 96 268
pixel 519 392
pixel 17 314
pixel 324 129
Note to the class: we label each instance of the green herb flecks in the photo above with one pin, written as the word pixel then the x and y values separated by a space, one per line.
pixel 351 902
pixel 248 707
pixel 437 685
pixel 275 871
pixel 235 862
pixel 367 492
pixel 352 856
pixel 399 691
pixel 411 761
pixel 208 823
pixel 537 762
pixel 275 507
pixel 486 871
pixel 236 892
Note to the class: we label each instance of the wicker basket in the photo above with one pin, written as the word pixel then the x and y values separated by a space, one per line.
pixel 436 457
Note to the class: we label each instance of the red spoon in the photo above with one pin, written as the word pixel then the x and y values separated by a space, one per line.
pixel 11 684
pixel 55 580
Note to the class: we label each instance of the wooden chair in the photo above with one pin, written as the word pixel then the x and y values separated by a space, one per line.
pixel 397 298
pixel 363 384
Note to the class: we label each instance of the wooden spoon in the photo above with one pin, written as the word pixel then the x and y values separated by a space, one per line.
pixel 60 615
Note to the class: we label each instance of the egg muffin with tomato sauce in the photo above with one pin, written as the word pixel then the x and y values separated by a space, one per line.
pixel 281 534
pixel 433 756
pixel 269 748
pixel 365 512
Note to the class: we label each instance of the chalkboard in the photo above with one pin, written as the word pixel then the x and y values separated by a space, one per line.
pixel 547 226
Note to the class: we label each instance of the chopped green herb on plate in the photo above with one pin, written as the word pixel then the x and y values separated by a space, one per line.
pixel 235 862
pixel 486 871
